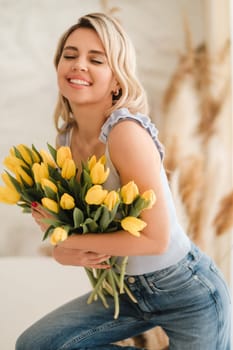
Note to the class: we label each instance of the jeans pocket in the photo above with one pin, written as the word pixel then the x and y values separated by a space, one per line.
pixel 173 280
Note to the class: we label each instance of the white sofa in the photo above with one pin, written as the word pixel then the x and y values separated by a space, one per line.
pixel 29 288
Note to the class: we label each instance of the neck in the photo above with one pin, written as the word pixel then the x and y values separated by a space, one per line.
pixel 89 121
pixel 85 135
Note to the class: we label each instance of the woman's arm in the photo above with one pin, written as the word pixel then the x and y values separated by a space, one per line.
pixel 74 257
pixel 136 158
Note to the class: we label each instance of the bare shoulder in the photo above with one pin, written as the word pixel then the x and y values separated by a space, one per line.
pixel 132 148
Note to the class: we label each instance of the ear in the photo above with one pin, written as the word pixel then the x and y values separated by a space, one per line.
pixel 116 87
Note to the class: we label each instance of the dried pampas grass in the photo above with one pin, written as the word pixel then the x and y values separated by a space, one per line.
pixel 223 220
pixel 107 9
pixel 192 131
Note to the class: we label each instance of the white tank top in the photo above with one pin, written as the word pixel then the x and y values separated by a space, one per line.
pixel 179 244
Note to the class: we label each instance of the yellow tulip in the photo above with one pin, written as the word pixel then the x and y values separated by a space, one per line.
pixel 9 195
pixel 96 195
pixel 68 169
pixel 98 174
pixel 48 183
pixel 50 204
pixel 35 157
pixel 59 235
pixel 67 202
pixel 150 197
pixel 63 153
pixel 111 199
pixel 7 181
pixel 40 171
pixel 92 161
pixel 25 153
pixel 129 192
pixel 133 225
pixel 12 162
pixel 47 158
pixel 22 175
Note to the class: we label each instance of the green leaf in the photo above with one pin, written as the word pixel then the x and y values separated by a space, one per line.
pixel 85 228
pixel 137 206
pixel 52 151
pixel 105 219
pixel 50 193
pixel 18 154
pixel 26 210
pixel 52 222
pixel 78 217
pixel 85 178
pixel 91 225
pixel 38 154
pixel 14 182
pixel 47 232
pixel 98 213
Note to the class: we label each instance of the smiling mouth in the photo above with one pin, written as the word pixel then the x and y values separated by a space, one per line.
pixel 79 82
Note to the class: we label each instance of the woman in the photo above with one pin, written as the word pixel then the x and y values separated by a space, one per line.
pixel 104 111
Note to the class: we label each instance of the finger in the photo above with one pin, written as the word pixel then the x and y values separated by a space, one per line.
pixel 93 255
pixel 99 266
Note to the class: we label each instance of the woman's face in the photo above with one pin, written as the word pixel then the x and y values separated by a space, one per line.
pixel 83 72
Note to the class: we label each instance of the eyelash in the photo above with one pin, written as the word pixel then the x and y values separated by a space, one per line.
pixel 74 57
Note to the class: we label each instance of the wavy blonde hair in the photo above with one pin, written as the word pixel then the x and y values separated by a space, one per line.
pixel 121 58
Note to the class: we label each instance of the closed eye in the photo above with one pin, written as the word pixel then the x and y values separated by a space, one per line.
pixel 96 61
pixel 69 57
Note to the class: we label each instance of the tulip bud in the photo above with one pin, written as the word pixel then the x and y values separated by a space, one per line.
pixel 63 153
pixel 59 235
pixel 7 181
pixel 92 161
pixel 50 204
pixel 49 184
pixel 96 195
pixel 9 195
pixel 12 162
pixel 150 197
pixel 22 175
pixel 47 159
pixel 25 153
pixel 68 169
pixel 111 200
pixel 98 174
pixel 133 225
pixel 67 202
pixel 129 192
pixel 40 171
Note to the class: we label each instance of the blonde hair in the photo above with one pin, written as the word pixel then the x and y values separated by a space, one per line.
pixel 121 58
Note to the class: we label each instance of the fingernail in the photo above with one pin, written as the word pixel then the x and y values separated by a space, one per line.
pixel 34 204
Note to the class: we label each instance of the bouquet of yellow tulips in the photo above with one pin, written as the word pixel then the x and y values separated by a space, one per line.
pixel 77 206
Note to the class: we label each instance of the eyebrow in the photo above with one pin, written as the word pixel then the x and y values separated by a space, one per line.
pixel 74 48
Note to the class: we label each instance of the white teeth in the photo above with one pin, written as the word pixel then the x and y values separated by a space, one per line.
pixel 79 82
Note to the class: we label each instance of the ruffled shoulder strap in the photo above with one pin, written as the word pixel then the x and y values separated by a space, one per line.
pixel 143 120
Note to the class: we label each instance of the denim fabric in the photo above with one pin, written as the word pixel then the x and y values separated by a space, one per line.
pixel 189 300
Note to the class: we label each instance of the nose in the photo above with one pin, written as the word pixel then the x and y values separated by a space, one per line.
pixel 79 66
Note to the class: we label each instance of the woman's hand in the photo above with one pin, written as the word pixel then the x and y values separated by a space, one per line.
pixel 79 257
pixel 38 213
pixel 69 256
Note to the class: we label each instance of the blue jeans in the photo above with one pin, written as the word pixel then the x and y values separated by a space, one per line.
pixel 189 300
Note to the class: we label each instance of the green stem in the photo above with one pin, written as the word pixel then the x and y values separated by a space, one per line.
pixel 127 290
pixel 115 294
pixel 122 273
pixel 97 286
